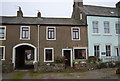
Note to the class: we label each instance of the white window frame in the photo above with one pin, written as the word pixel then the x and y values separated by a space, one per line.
pixel 72 33
pixel 117 51
pixel 97 27
pixel 99 49
pixel 52 54
pixel 3 52
pixel 21 33
pixel 47 32
pixel 110 50
pixel 71 64
pixel 118 28
pixel 85 48
pixel 108 27
pixel 4 32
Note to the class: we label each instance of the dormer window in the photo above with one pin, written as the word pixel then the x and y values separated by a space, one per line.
pixel 112 12
pixel 81 15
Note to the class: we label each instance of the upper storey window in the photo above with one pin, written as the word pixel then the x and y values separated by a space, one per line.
pixel 2 32
pixel 51 33
pixel 106 27
pixel 117 27
pixel 95 27
pixel 25 33
pixel 75 33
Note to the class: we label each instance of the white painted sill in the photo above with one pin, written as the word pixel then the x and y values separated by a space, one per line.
pixel 107 34
pixel 96 34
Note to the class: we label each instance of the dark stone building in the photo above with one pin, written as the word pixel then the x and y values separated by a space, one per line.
pixel 30 40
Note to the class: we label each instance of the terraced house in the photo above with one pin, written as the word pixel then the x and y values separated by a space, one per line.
pixel 103 29
pixel 40 39
pixel 92 31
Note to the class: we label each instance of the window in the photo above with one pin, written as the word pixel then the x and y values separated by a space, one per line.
pixel 2 32
pixel 75 33
pixel 25 32
pixel 106 27
pixel 95 27
pixel 108 50
pixel 2 53
pixel 80 53
pixel 96 50
pixel 117 26
pixel 117 50
pixel 51 33
pixel 48 55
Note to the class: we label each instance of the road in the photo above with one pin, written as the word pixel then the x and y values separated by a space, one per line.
pixel 107 73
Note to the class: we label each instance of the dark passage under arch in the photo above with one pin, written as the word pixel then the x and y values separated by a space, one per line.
pixel 24 57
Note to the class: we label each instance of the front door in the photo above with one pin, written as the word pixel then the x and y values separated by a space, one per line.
pixel 68 57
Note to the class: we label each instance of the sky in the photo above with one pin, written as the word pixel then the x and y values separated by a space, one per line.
pixel 48 8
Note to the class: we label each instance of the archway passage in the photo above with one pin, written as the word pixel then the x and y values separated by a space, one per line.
pixel 24 57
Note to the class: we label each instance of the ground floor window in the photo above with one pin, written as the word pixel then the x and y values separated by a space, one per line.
pixel 96 50
pixel 2 53
pixel 108 50
pixel 80 53
pixel 117 50
pixel 48 55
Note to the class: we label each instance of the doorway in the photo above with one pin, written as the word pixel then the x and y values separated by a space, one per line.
pixel 24 56
pixel 68 56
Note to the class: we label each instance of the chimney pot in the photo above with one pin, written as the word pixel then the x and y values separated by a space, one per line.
pixel 78 3
pixel 19 13
pixel 38 14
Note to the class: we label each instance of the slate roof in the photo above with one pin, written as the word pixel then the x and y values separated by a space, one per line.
pixel 41 21
pixel 99 10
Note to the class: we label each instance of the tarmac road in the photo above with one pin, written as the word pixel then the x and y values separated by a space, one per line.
pixel 107 73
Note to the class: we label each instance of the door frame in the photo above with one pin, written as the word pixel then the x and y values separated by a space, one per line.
pixel 71 58
pixel 21 44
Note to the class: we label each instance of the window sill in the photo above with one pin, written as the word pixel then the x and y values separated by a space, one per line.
pixel 96 34
pixel 2 59
pixel 117 34
pixel 80 59
pixel 50 39
pixel 24 39
pixel 75 39
pixel 48 61
pixel 2 39
pixel 107 34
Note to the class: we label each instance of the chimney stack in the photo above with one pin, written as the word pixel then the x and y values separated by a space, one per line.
pixel 38 14
pixel 78 3
pixel 19 13
pixel 118 5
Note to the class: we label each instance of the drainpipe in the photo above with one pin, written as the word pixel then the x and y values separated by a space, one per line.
pixel 38 40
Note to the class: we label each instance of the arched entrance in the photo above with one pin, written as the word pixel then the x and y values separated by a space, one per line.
pixel 24 56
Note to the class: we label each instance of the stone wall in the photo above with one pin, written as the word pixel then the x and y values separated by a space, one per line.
pixel 7 67
pixel 49 68
pixel 85 66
